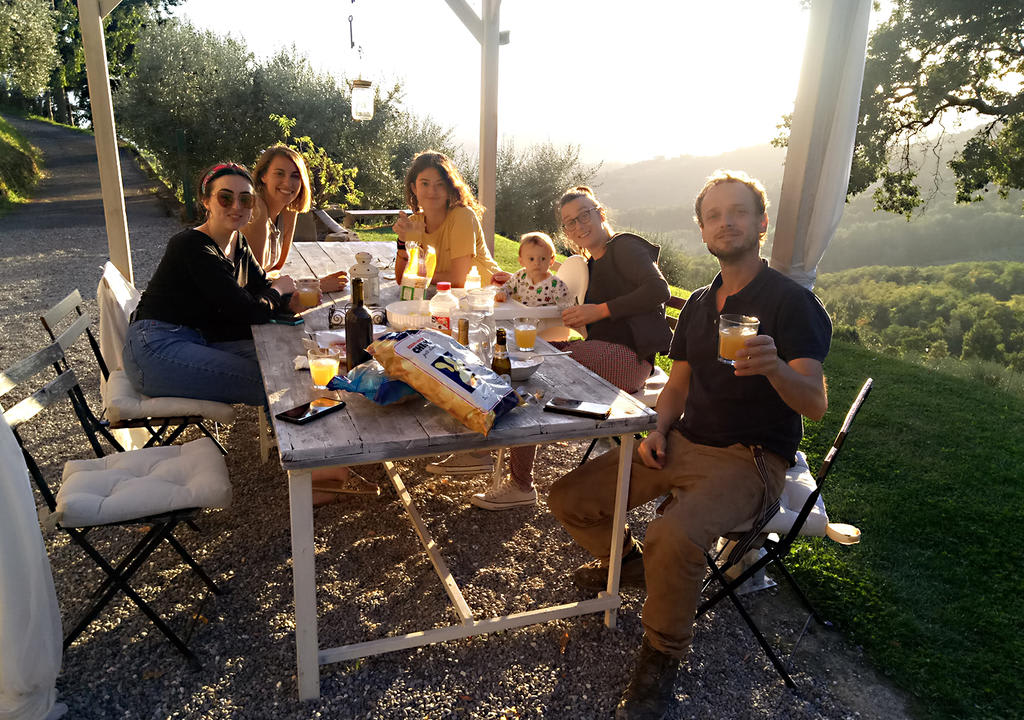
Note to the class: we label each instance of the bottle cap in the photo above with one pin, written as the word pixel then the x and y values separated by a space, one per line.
pixel 444 286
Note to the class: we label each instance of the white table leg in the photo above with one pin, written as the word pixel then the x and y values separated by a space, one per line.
pixel 619 523
pixel 300 498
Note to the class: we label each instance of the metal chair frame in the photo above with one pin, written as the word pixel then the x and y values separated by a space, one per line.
pixel 774 550
pixel 82 324
pixel 162 526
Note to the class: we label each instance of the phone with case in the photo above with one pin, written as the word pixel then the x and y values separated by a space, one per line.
pixel 580 408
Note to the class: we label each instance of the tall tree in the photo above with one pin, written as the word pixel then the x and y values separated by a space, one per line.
pixel 27 52
pixel 929 65
pixel 68 84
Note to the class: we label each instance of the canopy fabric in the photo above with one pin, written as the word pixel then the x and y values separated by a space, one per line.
pixel 822 136
pixel 30 628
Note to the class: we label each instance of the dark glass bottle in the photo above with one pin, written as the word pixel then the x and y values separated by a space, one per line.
pixel 358 328
pixel 501 364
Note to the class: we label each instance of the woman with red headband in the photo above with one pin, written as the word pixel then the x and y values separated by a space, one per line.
pixel 190 335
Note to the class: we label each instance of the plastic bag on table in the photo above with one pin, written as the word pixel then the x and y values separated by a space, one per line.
pixel 369 379
pixel 447 374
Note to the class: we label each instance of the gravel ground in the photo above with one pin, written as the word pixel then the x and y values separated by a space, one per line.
pixel 373 579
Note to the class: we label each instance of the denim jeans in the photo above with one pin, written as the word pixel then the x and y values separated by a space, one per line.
pixel 166 360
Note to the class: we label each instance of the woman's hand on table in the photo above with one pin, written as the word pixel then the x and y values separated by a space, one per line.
pixel 283 284
pixel 652 449
pixel 408 225
pixel 581 315
pixel 334 282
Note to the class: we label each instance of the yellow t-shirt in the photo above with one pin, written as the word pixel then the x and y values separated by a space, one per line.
pixel 459 235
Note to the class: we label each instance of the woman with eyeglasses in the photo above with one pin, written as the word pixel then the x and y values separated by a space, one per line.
pixel 190 335
pixel 623 313
pixel 282 192
pixel 445 216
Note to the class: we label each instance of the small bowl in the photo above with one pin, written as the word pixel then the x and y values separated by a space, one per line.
pixel 843 534
pixel 409 314
pixel 524 365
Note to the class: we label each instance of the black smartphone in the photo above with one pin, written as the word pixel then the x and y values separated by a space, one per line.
pixel 308 412
pixel 286 320
pixel 567 406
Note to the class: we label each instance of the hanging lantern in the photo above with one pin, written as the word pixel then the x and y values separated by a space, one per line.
pixel 362 100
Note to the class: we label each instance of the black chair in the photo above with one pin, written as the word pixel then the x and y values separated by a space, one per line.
pixel 775 550
pixel 65 322
pixel 155 488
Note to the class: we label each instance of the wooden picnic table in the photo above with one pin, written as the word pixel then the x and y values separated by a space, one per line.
pixel 364 432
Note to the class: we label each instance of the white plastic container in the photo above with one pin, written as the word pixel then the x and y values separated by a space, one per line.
pixel 472 279
pixel 442 306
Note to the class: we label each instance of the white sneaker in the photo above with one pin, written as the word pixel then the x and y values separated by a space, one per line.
pixel 462 464
pixel 504 497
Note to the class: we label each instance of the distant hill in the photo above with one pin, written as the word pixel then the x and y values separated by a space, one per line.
pixel 656 197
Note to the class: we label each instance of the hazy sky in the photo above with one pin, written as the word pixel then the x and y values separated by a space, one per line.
pixel 625 80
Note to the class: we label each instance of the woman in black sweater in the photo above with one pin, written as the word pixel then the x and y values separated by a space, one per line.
pixel 190 335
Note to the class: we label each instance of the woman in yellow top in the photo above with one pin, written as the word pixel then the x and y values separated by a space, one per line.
pixel 446 217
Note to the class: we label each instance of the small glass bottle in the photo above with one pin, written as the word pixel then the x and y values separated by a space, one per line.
pixel 501 364
pixel 463 332
pixel 358 329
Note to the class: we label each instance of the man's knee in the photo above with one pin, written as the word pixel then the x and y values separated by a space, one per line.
pixel 675 540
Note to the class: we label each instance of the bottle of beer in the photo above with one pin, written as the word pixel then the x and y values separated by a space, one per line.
pixel 358 328
pixel 501 364
pixel 462 334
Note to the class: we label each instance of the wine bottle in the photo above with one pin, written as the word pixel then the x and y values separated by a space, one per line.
pixel 358 328
pixel 501 364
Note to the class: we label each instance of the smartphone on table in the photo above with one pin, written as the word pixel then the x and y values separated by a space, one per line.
pixel 581 408
pixel 308 412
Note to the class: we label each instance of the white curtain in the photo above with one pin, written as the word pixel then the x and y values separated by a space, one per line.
pixel 30 629
pixel 821 137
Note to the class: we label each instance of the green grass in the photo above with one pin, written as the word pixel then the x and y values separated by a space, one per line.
pixel 19 167
pixel 932 475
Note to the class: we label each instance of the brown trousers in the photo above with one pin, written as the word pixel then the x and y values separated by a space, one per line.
pixel 713 490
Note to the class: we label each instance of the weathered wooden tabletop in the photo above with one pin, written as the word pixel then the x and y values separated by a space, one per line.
pixel 365 432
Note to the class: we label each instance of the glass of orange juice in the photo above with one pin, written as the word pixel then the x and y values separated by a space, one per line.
pixel 526 333
pixel 309 291
pixel 324 364
pixel 733 333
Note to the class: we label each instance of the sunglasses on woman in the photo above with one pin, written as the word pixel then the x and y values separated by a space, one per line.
pixel 226 199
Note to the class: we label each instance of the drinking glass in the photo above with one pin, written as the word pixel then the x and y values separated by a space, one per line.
pixel 309 291
pixel 324 364
pixel 526 333
pixel 733 333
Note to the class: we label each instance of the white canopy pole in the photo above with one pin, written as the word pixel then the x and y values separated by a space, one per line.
pixel 485 30
pixel 90 18
pixel 489 117
pixel 822 137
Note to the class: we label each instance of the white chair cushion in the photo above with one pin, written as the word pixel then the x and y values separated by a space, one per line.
pixel 122 403
pixel 117 299
pixel 799 485
pixel 652 388
pixel 129 485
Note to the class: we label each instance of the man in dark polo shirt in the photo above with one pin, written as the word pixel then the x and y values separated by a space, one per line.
pixel 722 460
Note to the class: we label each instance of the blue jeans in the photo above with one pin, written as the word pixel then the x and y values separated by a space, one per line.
pixel 166 360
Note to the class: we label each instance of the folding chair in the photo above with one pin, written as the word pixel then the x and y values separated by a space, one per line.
pixel 775 530
pixel 124 407
pixel 157 487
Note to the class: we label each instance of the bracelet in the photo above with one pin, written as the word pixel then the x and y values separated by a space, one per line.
pixel 400 244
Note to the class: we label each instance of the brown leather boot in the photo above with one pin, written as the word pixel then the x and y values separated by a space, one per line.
pixel 650 689
pixel 593 576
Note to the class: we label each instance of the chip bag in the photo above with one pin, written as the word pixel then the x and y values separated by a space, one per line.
pixel 447 374
pixel 369 379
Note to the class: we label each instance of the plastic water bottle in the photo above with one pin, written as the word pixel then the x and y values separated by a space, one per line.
pixel 472 279
pixel 441 307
